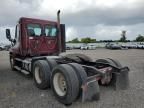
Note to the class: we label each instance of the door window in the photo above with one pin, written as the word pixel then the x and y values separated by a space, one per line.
pixel 34 29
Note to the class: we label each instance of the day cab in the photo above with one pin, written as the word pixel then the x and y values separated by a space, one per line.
pixel 36 50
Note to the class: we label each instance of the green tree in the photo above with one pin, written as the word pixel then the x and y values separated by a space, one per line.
pixel 83 40
pixel 93 40
pixel 123 38
pixel 75 40
pixel 140 38
pixel 88 40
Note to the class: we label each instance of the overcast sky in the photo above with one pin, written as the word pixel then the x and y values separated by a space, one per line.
pixel 100 19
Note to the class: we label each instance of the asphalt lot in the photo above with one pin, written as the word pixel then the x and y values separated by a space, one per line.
pixel 19 91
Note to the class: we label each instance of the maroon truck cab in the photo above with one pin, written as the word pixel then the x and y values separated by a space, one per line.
pixel 35 37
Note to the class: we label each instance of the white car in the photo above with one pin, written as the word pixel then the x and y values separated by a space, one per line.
pixel 129 45
pixel 132 45
pixel 92 47
pixel 140 46
pixel 68 48
pixel 84 47
pixel 2 47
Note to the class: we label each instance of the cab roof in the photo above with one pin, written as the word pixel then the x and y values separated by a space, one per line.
pixel 25 19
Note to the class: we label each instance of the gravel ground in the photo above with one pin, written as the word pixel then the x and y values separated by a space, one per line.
pixel 18 90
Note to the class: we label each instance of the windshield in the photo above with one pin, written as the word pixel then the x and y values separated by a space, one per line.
pixel 34 29
pixel 50 30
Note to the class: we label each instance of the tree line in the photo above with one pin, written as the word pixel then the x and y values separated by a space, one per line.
pixel 139 38
pixel 83 40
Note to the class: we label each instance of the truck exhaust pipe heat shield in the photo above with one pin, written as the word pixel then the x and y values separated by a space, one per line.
pixel 121 79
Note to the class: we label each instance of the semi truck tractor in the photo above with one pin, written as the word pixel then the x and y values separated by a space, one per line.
pixel 36 51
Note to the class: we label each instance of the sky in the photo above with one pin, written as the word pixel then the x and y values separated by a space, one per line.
pixel 99 19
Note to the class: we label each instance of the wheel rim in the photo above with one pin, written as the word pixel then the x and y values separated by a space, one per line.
pixel 37 75
pixel 59 83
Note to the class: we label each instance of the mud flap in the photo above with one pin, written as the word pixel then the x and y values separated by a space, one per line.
pixel 121 79
pixel 90 90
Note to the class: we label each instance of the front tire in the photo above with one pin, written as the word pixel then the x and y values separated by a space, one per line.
pixel 12 63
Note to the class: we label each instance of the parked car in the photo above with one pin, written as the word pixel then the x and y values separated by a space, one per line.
pixel 76 47
pixel 68 48
pixel 84 47
pixel 113 46
pixel 124 46
pixel 132 45
pixel 7 47
pixel 92 47
pixel 2 47
pixel 140 46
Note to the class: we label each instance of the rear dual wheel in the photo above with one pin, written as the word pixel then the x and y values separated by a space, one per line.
pixel 42 70
pixel 82 76
pixel 41 73
pixel 65 80
pixel 65 84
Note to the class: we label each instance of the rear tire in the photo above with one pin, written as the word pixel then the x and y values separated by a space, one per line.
pixel 65 84
pixel 81 73
pixel 41 74
pixel 82 76
pixel 52 63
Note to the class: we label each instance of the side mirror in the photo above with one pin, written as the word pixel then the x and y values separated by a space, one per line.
pixel 8 34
